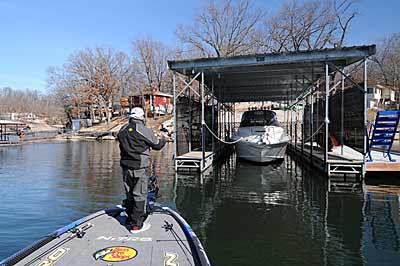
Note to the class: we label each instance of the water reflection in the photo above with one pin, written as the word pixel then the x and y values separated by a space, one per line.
pixel 245 214
pixel 381 224
pixel 279 214
pixel 257 214
pixel 47 185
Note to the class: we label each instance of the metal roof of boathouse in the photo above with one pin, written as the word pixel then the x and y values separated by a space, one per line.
pixel 262 77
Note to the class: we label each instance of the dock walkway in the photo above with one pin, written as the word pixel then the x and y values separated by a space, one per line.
pixel 194 160
pixel 348 161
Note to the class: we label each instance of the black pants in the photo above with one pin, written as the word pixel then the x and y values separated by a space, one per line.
pixel 135 183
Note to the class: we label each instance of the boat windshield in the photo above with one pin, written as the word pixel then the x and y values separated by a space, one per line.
pixel 259 118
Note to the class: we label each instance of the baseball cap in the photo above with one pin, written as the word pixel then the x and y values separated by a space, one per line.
pixel 137 113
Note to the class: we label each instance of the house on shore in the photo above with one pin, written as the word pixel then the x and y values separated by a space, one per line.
pixel 155 103
pixel 382 96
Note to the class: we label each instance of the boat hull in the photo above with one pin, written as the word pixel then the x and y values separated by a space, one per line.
pixel 102 238
pixel 260 153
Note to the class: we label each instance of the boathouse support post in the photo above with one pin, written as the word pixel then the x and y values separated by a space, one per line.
pixel 312 126
pixel 219 114
pixel 212 113
pixel 203 129
pixel 232 123
pixel 291 114
pixel 296 113
pixel 287 112
pixel 295 126
pixel 190 120
pixel 226 121
pixel 365 116
pixel 326 121
pixel 223 124
pixel 318 111
pixel 175 126
pixel 230 120
pixel 232 128
pixel 284 113
pixel 342 116
pixel 228 105
pixel 303 129
pixel 234 118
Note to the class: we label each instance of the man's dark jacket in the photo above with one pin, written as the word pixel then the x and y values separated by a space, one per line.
pixel 135 141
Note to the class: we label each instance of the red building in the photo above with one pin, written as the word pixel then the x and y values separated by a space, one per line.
pixel 157 102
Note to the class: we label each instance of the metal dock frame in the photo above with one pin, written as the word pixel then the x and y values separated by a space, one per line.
pixel 199 159
pixel 194 160
pixel 296 80
pixel 333 166
pixel 339 166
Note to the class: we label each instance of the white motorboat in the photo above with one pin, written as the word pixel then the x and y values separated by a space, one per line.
pixel 260 138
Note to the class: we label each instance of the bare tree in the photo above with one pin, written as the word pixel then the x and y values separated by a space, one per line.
pixel 385 65
pixel 29 101
pixel 152 58
pixel 345 13
pixel 222 29
pixel 308 25
pixel 92 77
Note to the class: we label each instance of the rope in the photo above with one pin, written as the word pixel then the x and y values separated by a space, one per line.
pixel 223 141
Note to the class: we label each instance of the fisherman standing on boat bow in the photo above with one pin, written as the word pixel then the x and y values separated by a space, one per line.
pixel 135 141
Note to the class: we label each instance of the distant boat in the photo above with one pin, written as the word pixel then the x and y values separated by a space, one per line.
pixel 260 137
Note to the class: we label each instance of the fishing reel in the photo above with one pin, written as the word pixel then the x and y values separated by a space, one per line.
pixel 152 193
pixel 152 188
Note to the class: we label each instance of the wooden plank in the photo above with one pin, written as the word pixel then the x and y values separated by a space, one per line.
pixel 383 166
pixel 383 189
pixel 349 155
pixel 377 157
pixel 196 155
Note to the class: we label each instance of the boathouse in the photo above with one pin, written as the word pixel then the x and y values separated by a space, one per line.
pixel 313 85
pixel 10 127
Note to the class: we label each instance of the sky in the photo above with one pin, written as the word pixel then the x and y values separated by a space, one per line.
pixel 35 35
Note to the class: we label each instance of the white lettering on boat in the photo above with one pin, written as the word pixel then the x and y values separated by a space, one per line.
pixel 170 259
pixel 125 238
pixel 53 257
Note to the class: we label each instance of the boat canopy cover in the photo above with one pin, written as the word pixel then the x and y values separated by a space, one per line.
pixel 268 76
pixel 259 118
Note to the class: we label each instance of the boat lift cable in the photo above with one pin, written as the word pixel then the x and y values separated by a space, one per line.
pixel 223 141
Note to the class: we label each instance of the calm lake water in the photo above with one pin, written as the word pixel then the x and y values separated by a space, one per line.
pixel 279 214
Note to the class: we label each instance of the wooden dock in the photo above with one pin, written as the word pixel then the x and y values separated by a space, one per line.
pixel 346 161
pixel 337 163
pixel 194 160
pixel 381 164
pixel 6 143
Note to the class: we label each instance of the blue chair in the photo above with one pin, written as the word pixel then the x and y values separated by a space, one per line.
pixel 384 131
